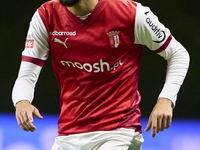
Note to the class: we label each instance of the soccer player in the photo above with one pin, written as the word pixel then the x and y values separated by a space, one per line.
pixel 96 48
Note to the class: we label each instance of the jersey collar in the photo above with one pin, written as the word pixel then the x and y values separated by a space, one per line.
pixel 98 8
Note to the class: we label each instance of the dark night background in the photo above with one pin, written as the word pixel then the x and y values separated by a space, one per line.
pixel 182 17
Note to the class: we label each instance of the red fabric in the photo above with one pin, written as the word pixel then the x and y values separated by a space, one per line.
pixel 36 61
pixel 164 46
pixel 96 65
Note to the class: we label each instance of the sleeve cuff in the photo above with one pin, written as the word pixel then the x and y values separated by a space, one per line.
pixel 170 92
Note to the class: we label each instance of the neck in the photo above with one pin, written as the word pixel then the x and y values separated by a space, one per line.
pixel 83 7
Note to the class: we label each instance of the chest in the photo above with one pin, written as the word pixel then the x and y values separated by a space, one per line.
pixel 101 38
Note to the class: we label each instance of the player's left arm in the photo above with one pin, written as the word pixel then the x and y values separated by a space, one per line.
pixel 150 32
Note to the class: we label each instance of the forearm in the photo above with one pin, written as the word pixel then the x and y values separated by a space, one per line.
pixel 178 62
pixel 25 83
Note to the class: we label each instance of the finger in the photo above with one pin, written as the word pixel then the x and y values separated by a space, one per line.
pixel 37 114
pixel 19 120
pixel 169 121
pixel 154 126
pixel 23 123
pixel 30 121
pixel 26 122
pixel 148 125
pixel 159 123
pixel 30 116
pixel 20 123
pixel 164 123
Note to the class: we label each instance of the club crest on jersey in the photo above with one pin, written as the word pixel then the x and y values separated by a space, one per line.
pixel 114 38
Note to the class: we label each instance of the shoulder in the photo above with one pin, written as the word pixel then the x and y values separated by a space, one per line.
pixel 50 8
pixel 128 4
pixel 50 5
pixel 122 8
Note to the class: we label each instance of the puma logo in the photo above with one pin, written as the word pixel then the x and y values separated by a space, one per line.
pixel 61 42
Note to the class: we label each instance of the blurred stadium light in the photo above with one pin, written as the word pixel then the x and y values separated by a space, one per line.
pixel 184 134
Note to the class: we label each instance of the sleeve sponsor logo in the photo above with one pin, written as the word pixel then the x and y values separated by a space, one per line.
pixel 160 34
pixel 29 43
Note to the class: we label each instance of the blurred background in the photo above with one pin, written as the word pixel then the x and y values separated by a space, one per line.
pixel 182 17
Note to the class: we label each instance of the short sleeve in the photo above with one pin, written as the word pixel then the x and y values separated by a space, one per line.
pixel 149 31
pixel 37 46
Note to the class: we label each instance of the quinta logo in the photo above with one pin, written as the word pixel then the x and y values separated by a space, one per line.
pixel 96 67
pixel 158 32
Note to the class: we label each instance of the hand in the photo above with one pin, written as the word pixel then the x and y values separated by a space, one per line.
pixel 24 115
pixel 161 116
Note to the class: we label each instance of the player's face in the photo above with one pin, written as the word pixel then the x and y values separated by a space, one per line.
pixel 69 3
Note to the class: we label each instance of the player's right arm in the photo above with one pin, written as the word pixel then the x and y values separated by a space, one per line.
pixel 33 58
pixel 24 115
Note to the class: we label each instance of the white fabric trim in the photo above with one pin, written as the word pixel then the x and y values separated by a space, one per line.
pixel 83 17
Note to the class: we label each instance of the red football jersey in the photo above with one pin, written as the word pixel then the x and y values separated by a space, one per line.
pixel 97 66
